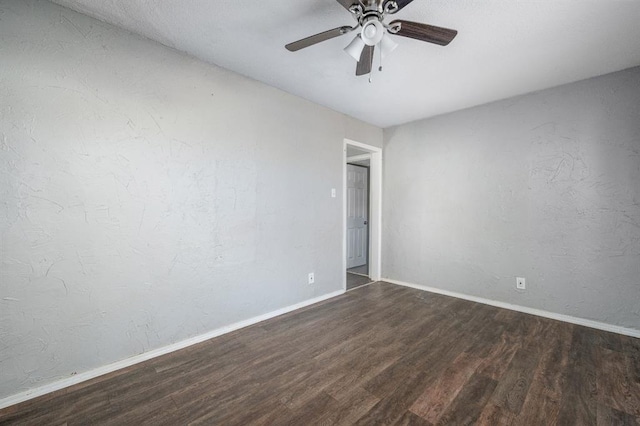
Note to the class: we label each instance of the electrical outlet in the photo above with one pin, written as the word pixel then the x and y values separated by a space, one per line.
pixel 521 283
pixel 312 278
pixel 333 193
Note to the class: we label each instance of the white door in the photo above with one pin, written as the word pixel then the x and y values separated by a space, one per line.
pixel 357 215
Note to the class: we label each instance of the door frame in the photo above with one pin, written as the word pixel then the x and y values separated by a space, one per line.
pixel 375 209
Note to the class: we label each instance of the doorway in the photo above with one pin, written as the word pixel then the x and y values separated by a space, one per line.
pixel 362 190
pixel 357 222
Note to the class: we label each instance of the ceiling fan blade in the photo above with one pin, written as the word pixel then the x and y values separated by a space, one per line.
pixel 317 38
pixel 401 4
pixel 366 61
pixel 424 32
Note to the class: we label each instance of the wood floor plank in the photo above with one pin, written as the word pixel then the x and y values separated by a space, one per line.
pixel 303 392
pixel 354 404
pixel 617 389
pixel 393 406
pixel 499 357
pixel 315 411
pixel 631 351
pixel 542 403
pixel 425 356
pixel 470 402
pixel 380 354
pixel 492 415
pixel 356 280
pixel 608 416
pixel 410 419
pixel 437 397
pixel 580 392
pixel 362 370
pixel 514 385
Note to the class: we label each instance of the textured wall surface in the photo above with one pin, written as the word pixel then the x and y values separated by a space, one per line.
pixel 146 197
pixel 544 186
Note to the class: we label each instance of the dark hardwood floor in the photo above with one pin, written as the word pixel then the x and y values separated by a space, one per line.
pixel 381 354
pixel 355 280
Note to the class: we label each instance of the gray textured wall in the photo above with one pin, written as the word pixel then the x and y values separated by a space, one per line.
pixel 545 186
pixel 146 197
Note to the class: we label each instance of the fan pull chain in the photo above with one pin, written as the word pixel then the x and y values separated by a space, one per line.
pixel 379 67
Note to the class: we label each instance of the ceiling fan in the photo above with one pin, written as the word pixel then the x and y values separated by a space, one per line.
pixel 374 31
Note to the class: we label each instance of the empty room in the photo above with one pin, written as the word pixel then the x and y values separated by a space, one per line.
pixel 332 212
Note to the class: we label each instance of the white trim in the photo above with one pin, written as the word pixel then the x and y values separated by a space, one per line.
pixel 344 216
pixel 362 146
pixel 357 158
pixel 560 317
pixel 375 216
pixel 361 286
pixel 91 374
pixel 375 209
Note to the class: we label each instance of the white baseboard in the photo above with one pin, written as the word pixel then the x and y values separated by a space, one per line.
pixel 91 374
pixel 560 317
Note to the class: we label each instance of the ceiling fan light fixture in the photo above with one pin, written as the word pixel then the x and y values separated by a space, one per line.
pixel 387 45
pixel 354 49
pixel 372 32
pixel 373 37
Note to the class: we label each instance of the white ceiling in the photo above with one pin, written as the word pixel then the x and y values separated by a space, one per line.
pixel 504 48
